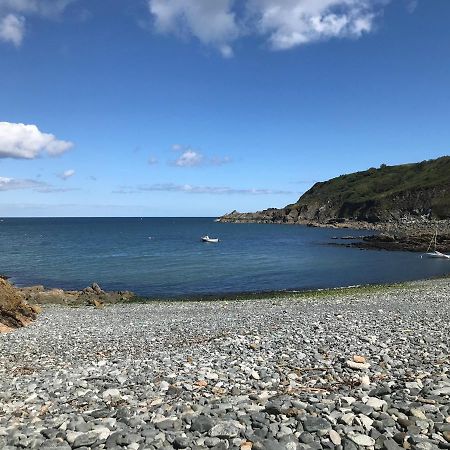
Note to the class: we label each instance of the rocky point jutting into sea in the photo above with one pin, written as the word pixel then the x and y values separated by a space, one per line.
pixel 406 204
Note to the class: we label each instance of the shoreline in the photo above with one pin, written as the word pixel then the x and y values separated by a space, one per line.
pixel 359 371
pixel 41 295
pixel 295 294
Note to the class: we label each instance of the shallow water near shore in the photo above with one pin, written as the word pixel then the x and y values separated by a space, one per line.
pixel 164 257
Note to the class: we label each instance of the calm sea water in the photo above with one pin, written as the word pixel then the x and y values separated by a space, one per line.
pixel 163 257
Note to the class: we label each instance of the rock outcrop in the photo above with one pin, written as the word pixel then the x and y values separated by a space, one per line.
pixel 20 306
pixel 15 312
pixel 390 194
pixel 92 295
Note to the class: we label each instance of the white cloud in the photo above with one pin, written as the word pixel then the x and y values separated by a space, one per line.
pixel 189 158
pixel 67 174
pixel 12 29
pixel 289 23
pixel 212 22
pixel 194 158
pixel 21 141
pixel 284 23
pixel 13 15
pixel 192 189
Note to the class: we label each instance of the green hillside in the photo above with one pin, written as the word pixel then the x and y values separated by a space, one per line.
pixel 389 194
pixel 381 194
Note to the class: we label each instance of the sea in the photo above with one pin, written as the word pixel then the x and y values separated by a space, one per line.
pixel 165 258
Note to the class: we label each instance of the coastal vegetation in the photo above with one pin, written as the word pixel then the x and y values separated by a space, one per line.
pixel 389 194
pixel 383 194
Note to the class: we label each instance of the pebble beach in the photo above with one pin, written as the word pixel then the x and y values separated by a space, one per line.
pixel 357 369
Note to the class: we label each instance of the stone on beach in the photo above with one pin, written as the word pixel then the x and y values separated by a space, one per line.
pixel 359 359
pixel 363 440
pixel 357 365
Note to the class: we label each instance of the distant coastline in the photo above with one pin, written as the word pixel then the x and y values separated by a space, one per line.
pixel 404 204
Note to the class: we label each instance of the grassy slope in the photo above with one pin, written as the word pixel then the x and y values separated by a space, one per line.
pixel 377 185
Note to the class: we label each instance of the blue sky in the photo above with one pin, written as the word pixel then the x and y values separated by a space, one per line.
pixel 199 107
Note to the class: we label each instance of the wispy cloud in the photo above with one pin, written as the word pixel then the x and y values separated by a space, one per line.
pixel 189 157
pixel 21 141
pixel 11 184
pixel 55 189
pixel 152 160
pixel 283 23
pixel 411 5
pixel 67 174
pixel 219 160
pixel 192 189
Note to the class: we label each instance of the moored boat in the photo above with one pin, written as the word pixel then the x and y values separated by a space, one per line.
pixel 435 253
pixel 208 239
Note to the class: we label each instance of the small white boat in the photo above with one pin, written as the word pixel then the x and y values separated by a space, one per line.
pixel 435 253
pixel 208 239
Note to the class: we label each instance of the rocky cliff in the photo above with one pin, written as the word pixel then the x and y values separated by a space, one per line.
pixel 389 194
